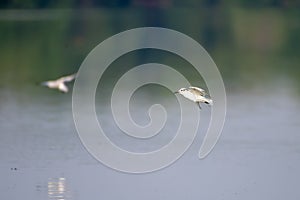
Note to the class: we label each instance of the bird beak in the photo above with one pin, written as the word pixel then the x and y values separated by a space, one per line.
pixel 44 83
pixel 176 92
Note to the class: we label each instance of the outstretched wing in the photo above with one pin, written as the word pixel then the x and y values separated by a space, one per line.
pixel 63 88
pixel 68 78
pixel 197 91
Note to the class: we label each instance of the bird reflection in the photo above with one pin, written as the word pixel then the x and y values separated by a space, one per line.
pixel 57 189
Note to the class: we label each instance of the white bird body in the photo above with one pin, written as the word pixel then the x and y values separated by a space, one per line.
pixel 196 95
pixel 60 83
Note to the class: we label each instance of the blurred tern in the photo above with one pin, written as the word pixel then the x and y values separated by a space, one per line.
pixel 60 83
pixel 196 95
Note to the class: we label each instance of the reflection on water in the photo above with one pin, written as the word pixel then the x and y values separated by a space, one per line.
pixel 57 189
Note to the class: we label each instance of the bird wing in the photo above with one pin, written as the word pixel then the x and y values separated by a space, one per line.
pixel 196 90
pixel 62 87
pixel 68 78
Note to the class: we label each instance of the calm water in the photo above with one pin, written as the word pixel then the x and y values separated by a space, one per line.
pixel 257 156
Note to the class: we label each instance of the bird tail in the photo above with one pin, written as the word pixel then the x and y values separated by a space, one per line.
pixel 209 101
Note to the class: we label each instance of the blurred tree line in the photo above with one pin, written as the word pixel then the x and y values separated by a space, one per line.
pixel 245 38
pixel 39 4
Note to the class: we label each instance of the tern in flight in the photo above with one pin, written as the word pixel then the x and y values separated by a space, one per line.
pixel 196 95
pixel 60 83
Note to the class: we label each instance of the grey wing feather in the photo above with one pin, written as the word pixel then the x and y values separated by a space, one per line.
pixel 68 78
pixel 197 90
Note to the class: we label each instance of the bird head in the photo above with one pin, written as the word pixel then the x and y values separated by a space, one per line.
pixel 181 91
pixel 44 83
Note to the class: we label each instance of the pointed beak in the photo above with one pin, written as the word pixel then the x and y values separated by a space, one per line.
pixel 176 92
pixel 44 84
